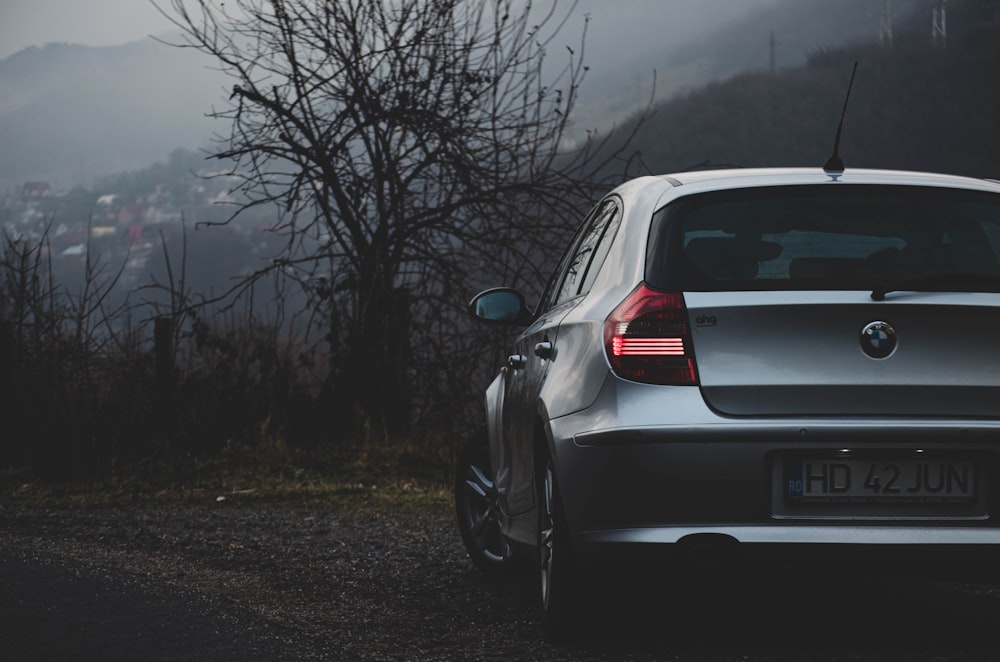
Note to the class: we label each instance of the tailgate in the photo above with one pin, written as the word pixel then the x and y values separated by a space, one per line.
pixel 774 353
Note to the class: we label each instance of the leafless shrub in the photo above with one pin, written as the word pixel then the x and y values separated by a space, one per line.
pixel 86 385
pixel 412 150
pixel 57 388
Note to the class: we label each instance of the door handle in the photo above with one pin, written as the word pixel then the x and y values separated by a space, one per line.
pixel 544 350
pixel 517 361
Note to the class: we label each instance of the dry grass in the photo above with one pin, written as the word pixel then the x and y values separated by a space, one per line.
pixel 376 476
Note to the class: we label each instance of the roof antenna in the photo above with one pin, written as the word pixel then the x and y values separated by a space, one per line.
pixel 835 164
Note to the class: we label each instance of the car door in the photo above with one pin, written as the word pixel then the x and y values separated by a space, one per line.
pixel 537 347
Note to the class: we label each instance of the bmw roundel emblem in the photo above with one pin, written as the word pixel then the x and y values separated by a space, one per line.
pixel 878 339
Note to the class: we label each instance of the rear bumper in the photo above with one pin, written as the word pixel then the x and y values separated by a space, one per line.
pixel 800 535
pixel 955 554
pixel 649 468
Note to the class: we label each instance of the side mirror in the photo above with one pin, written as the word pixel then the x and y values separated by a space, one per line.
pixel 501 305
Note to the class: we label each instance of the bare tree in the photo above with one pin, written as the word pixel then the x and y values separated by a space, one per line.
pixel 405 145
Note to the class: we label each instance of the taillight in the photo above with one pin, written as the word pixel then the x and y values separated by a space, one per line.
pixel 647 338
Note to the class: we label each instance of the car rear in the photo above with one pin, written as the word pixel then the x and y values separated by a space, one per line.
pixel 808 360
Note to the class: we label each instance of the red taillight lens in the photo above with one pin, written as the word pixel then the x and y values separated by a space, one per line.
pixel 648 340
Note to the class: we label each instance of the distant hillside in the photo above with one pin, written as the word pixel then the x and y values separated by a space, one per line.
pixel 72 114
pixel 69 113
pixel 913 107
pixel 799 27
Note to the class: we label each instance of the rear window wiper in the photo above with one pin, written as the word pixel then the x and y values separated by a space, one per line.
pixel 959 282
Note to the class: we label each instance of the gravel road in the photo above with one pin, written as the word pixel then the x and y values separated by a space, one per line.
pixel 256 578
pixel 274 579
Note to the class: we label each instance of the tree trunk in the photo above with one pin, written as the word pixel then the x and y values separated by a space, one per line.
pixel 375 374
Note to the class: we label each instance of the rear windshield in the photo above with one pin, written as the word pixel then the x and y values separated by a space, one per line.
pixel 827 237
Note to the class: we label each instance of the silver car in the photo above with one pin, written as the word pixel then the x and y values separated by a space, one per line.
pixel 773 359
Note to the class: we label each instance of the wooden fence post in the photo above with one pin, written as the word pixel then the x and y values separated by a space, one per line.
pixel 163 339
pixel 8 411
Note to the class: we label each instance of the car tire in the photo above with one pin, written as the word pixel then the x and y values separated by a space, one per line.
pixel 478 509
pixel 559 570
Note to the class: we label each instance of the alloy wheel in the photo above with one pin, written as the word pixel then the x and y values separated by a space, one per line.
pixel 546 531
pixel 478 508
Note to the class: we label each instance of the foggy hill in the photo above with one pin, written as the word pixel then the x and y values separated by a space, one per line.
pixel 800 28
pixel 71 114
pixel 914 107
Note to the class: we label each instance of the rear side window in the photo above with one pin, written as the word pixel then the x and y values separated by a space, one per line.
pixel 588 255
pixel 825 237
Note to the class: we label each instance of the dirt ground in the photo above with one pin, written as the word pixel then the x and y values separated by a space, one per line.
pixel 272 579
pixel 249 577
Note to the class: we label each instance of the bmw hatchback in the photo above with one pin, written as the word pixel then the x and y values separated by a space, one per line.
pixel 775 359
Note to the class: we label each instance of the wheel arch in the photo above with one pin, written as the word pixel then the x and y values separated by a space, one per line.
pixel 544 447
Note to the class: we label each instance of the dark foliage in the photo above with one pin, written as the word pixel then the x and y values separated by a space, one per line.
pixel 914 106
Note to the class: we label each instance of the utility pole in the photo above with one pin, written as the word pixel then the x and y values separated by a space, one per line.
pixel 774 47
pixel 885 24
pixel 991 12
pixel 939 24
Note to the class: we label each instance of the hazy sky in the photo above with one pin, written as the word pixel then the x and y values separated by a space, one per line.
pixel 26 23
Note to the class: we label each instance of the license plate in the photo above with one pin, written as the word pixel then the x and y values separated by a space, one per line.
pixel 858 481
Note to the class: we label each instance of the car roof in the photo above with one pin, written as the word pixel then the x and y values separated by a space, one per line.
pixel 709 180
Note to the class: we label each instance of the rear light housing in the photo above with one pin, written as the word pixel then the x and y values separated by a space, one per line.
pixel 647 338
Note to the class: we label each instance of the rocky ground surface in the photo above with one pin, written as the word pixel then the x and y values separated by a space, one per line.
pixel 243 576
pixel 281 578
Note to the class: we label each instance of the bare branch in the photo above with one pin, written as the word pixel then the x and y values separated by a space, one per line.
pixel 404 145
